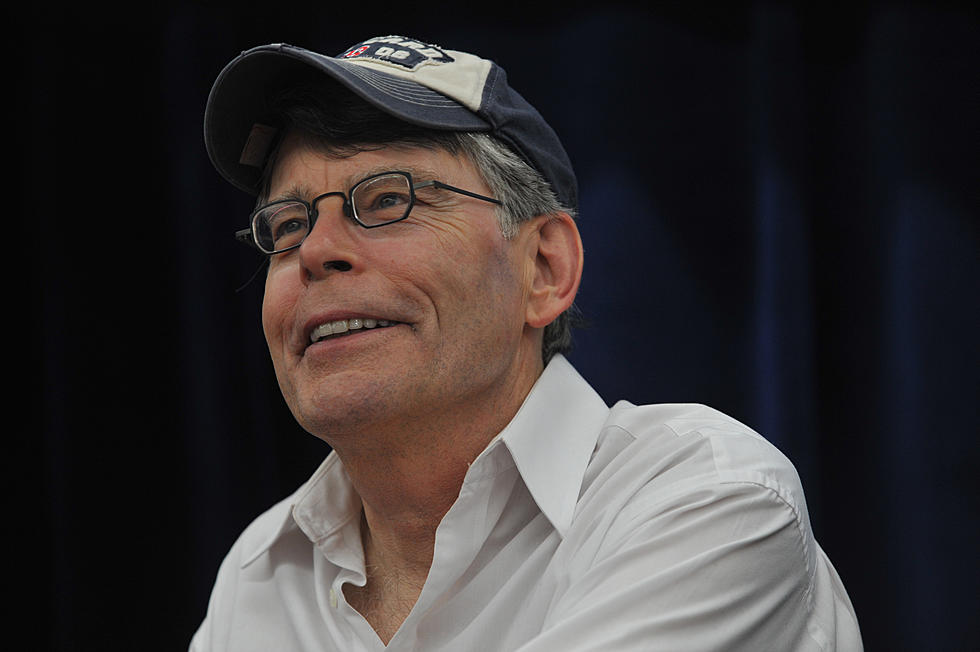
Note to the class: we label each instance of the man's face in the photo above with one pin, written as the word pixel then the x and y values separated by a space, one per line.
pixel 452 288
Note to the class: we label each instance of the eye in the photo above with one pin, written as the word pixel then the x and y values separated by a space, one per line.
pixel 388 201
pixel 288 228
pixel 282 225
pixel 382 199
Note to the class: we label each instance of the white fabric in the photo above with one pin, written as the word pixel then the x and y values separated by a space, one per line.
pixel 661 527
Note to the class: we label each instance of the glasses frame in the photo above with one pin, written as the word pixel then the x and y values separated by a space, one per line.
pixel 249 236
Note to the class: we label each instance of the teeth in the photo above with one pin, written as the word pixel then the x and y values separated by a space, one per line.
pixel 345 325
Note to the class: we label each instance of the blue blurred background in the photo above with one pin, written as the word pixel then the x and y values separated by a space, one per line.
pixel 779 209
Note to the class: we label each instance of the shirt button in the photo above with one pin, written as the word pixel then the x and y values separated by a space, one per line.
pixel 333 598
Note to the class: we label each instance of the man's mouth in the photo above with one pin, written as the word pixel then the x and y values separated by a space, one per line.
pixel 343 327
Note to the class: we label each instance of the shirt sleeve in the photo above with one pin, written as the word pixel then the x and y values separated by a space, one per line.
pixel 722 567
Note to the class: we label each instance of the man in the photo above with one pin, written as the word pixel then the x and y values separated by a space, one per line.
pixel 423 260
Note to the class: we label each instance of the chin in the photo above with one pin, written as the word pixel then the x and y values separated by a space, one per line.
pixel 340 408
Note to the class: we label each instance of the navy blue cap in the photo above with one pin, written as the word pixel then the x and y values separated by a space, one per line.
pixel 413 81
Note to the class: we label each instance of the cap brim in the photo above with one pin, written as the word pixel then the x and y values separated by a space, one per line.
pixel 240 98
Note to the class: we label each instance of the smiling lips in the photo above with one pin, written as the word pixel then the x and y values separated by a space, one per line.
pixel 344 326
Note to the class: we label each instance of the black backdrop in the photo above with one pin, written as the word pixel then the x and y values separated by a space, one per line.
pixel 780 215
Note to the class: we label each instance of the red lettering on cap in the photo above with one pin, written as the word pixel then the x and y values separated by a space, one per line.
pixel 354 53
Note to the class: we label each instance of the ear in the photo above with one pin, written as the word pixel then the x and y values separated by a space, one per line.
pixel 557 268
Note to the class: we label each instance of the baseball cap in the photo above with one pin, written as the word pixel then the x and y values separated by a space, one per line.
pixel 416 82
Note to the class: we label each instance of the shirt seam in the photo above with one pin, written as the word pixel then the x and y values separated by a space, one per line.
pixel 810 572
pixel 776 490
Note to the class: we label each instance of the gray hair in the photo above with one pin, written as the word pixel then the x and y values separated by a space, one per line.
pixel 524 194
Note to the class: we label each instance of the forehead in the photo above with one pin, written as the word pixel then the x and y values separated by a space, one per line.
pixel 301 163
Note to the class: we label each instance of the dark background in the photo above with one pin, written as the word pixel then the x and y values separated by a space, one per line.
pixel 779 208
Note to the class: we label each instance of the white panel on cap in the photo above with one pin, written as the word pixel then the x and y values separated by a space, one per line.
pixel 462 79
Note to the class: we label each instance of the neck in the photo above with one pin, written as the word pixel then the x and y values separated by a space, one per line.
pixel 407 485
pixel 409 473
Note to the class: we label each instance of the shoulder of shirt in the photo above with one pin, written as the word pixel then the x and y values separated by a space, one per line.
pixel 687 477
pixel 681 447
pixel 653 463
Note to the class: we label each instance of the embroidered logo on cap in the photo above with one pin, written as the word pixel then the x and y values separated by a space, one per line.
pixel 398 50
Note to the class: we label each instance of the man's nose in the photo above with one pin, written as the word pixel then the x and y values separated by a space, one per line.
pixel 332 243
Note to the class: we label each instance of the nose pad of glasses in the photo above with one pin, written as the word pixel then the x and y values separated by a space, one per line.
pixel 346 207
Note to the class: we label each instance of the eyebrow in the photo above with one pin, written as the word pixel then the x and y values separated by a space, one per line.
pixel 304 192
pixel 300 192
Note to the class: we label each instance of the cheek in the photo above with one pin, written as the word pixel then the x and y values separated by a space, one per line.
pixel 451 274
pixel 484 286
pixel 276 305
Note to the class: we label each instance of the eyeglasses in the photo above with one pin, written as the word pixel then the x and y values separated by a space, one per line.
pixel 377 200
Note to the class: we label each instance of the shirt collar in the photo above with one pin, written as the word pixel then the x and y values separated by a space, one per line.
pixel 321 507
pixel 552 437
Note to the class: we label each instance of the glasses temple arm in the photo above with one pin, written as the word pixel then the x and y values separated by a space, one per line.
pixel 245 237
pixel 446 186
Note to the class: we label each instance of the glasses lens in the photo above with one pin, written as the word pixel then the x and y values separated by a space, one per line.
pixel 382 199
pixel 281 225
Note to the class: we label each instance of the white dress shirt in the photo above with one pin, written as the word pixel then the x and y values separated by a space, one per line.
pixel 659 527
